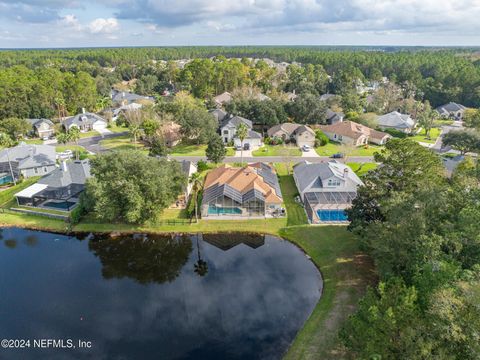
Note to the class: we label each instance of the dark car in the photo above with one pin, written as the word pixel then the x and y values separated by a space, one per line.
pixel 246 146
pixel 337 156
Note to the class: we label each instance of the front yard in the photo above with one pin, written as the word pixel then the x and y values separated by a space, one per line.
pixel 277 150
pixel 420 137
pixel 195 150
pixel 334 148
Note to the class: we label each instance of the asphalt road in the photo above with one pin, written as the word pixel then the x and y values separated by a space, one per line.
pixel 277 159
pixel 92 144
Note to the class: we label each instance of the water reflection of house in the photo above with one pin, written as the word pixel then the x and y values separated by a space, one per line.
pixel 227 241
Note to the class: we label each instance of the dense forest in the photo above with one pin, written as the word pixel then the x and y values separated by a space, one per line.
pixel 38 83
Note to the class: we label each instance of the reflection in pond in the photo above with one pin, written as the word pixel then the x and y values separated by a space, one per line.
pixel 227 241
pixel 144 258
pixel 155 297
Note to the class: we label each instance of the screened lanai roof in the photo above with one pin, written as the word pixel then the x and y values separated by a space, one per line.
pixel 330 198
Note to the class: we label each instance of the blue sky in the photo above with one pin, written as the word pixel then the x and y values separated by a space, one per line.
pixel 79 23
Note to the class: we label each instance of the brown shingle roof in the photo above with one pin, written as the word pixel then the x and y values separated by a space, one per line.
pixel 353 130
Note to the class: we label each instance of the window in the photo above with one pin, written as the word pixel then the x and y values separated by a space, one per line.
pixel 36 170
pixel 334 182
pixel 45 170
pixel 340 137
pixel 225 132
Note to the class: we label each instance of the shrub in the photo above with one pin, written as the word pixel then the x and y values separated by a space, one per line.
pixel 202 166
pixel 320 138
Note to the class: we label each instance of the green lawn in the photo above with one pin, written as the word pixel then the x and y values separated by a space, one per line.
pixel 89 134
pixel 188 150
pixel 34 141
pixel 346 272
pixel 7 195
pixel 362 168
pixel 333 148
pixel 83 153
pixel 277 150
pixel 117 129
pixel 124 142
pixel 420 137
pixel 296 213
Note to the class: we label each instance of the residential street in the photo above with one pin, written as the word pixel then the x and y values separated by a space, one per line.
pixel 280 159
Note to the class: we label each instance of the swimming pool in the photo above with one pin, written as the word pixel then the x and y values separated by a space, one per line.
pixel 332 215
pixel 64 205
pixel 213 210
pixel 5 179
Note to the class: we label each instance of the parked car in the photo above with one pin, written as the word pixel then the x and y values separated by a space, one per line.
pixel 246 146
pixel 306 148
pixel 238 147
pixel 337 156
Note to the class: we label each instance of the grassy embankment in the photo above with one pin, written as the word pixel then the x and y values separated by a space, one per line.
pixel 345 270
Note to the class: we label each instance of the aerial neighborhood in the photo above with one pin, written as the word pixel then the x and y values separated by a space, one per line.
pixel 317 131
pixel 239 202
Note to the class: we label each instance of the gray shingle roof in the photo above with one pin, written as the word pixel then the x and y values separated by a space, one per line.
pixel 120 96
pixel 396 120
pixel 235 121
pixel 29 156
pixel 77 173
pixel 218 114
pixel 307 173
pixel 450 107
pixel 38 122
pixel 82 119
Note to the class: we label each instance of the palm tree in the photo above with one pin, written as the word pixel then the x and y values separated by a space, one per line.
pixel 135 132
pixel 74 135
pixel 241 133
pixel 201 266
pixel 103 102
pixel 196 181
pixel 427 118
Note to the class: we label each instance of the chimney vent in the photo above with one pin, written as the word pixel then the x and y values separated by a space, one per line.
pixel 64 166
pixel 83 110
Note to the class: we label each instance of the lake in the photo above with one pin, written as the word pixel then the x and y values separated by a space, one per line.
pixel 222 296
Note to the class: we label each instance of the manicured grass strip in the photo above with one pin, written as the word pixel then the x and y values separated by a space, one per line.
pixel 295 212
pixel 277 150
pixel 32 222
pixel 6 196
pixel 346 273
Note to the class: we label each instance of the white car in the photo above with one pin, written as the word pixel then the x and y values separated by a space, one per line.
pixel 306 148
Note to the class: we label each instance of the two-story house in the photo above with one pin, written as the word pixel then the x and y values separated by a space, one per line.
pixel 326 189
pixel 228 131
pixel 300 134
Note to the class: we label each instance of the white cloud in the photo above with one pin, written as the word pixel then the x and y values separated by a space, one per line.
pixel 104 26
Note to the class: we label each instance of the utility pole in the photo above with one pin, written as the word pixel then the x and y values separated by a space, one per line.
pixel 10 166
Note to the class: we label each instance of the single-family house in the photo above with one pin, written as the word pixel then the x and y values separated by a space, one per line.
pixel 301 134
pixel 228 131
pixel 42 128
pixel 352 133
pixel 121 98
pixel 171 133
pixel 451 111
pixel 124 109
pixel 85 121
pixel 249 191
pixel 397 121
pixel 58 190
pixel 222 99
pixel 334 117
pixel 219 115
pixel 326 189
pixel 27 161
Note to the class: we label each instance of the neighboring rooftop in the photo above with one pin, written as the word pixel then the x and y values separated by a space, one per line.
pixel 29 156
pixel 235 121
pixel 396 120
pixel 353 130
pixel 84 118
pixel 450 107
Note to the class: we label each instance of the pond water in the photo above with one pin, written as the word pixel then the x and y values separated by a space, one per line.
pixel 230 296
